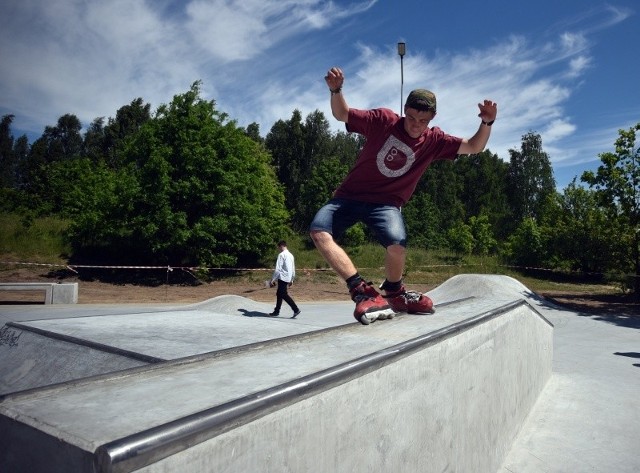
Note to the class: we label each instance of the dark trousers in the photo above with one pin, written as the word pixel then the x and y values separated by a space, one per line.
pixel 282 294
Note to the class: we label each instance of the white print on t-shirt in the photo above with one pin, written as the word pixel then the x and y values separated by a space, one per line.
pixel 395 158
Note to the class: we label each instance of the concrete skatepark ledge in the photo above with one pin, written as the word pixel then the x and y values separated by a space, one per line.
pixel 215 386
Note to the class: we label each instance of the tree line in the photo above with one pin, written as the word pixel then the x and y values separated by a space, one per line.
pixel 186 185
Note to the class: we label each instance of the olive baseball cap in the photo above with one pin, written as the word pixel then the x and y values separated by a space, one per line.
pixel 421 99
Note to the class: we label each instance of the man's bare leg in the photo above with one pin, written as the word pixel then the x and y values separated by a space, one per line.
pixel 370 306
pixel 394 260
pixel 341 263
pixel 400 299
pixel 333 254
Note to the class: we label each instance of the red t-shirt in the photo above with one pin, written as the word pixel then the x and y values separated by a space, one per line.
pixel 391 163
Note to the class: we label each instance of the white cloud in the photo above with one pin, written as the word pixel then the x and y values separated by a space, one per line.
pixel 261 59
pixel 577 66
pixel 87 58
pixel 228 30
pixel 92 57
pixel 241 29
pixel 571 44
pixel 558 129
pixel 532 84
pixel 512 74
pixel 593 19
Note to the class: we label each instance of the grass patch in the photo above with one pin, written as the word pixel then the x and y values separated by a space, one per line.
pixel 41 240
pixel 37 240
pixel 431 268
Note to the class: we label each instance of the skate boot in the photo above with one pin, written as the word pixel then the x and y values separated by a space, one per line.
pixel 411 302
pixel 370 306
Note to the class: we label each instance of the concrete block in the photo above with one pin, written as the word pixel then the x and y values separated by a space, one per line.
pixel 65 293
pixel 54 293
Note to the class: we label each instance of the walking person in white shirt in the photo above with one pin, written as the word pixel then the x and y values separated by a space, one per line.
pixel 284 275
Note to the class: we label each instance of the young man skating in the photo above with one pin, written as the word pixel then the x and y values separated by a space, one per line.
pixel 397 152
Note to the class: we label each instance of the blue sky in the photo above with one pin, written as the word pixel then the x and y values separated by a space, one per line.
pixel 566 69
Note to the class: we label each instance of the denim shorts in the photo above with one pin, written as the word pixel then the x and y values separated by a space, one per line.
pixel 385 221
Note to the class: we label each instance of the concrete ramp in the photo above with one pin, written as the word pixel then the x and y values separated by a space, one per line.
pixel 31 359
pixel 481 286
pixel 43 352
pixel 447 392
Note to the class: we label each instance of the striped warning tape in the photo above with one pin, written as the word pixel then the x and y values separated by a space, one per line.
pixel 168 268
pixel 73 267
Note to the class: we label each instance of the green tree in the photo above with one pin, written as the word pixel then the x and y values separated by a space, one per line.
pixel 253 132
pixel 316 190
pixel 617 186
pixel 60 143
pixel 317 142
pixel 530 180
pixel 32 179
pixel 580 235
pixel 423 220
pixel 8 166
pixel 94 143
pixel 460 239
pixel 97 200
pixel 64 140
pixel 345 147
pixel 127 122
pixel 483 240
pixel 333 158
pixel 285 141
pixel 20 152
pixel 434 207
pixel 526 246
pixel 297 148
pixel 483 189
pixel 7 157
pixel 205 192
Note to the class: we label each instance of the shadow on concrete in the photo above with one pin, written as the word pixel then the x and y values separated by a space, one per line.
pixel 627 321
pixel 630 354
pixel 34 302
pixel 612 309
pixel 255 313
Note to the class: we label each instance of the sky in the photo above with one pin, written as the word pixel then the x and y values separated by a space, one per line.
pixel 565 69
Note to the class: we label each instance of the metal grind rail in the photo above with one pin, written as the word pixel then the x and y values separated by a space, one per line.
pixel 160 363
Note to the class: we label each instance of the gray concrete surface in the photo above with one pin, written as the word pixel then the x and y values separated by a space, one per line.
pixel 92 342
pixel 586 419
pixel 453 406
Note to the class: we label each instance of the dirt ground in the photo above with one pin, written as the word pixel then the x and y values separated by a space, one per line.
pixel 98 292
pixel 304 290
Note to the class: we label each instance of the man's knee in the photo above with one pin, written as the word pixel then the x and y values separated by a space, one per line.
pixel 396 250
pixel 320 237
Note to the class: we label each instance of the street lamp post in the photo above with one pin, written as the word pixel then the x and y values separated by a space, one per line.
pixel 401 52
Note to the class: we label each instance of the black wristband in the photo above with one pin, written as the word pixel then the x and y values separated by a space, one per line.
pixel 488 123
pixel 335 91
